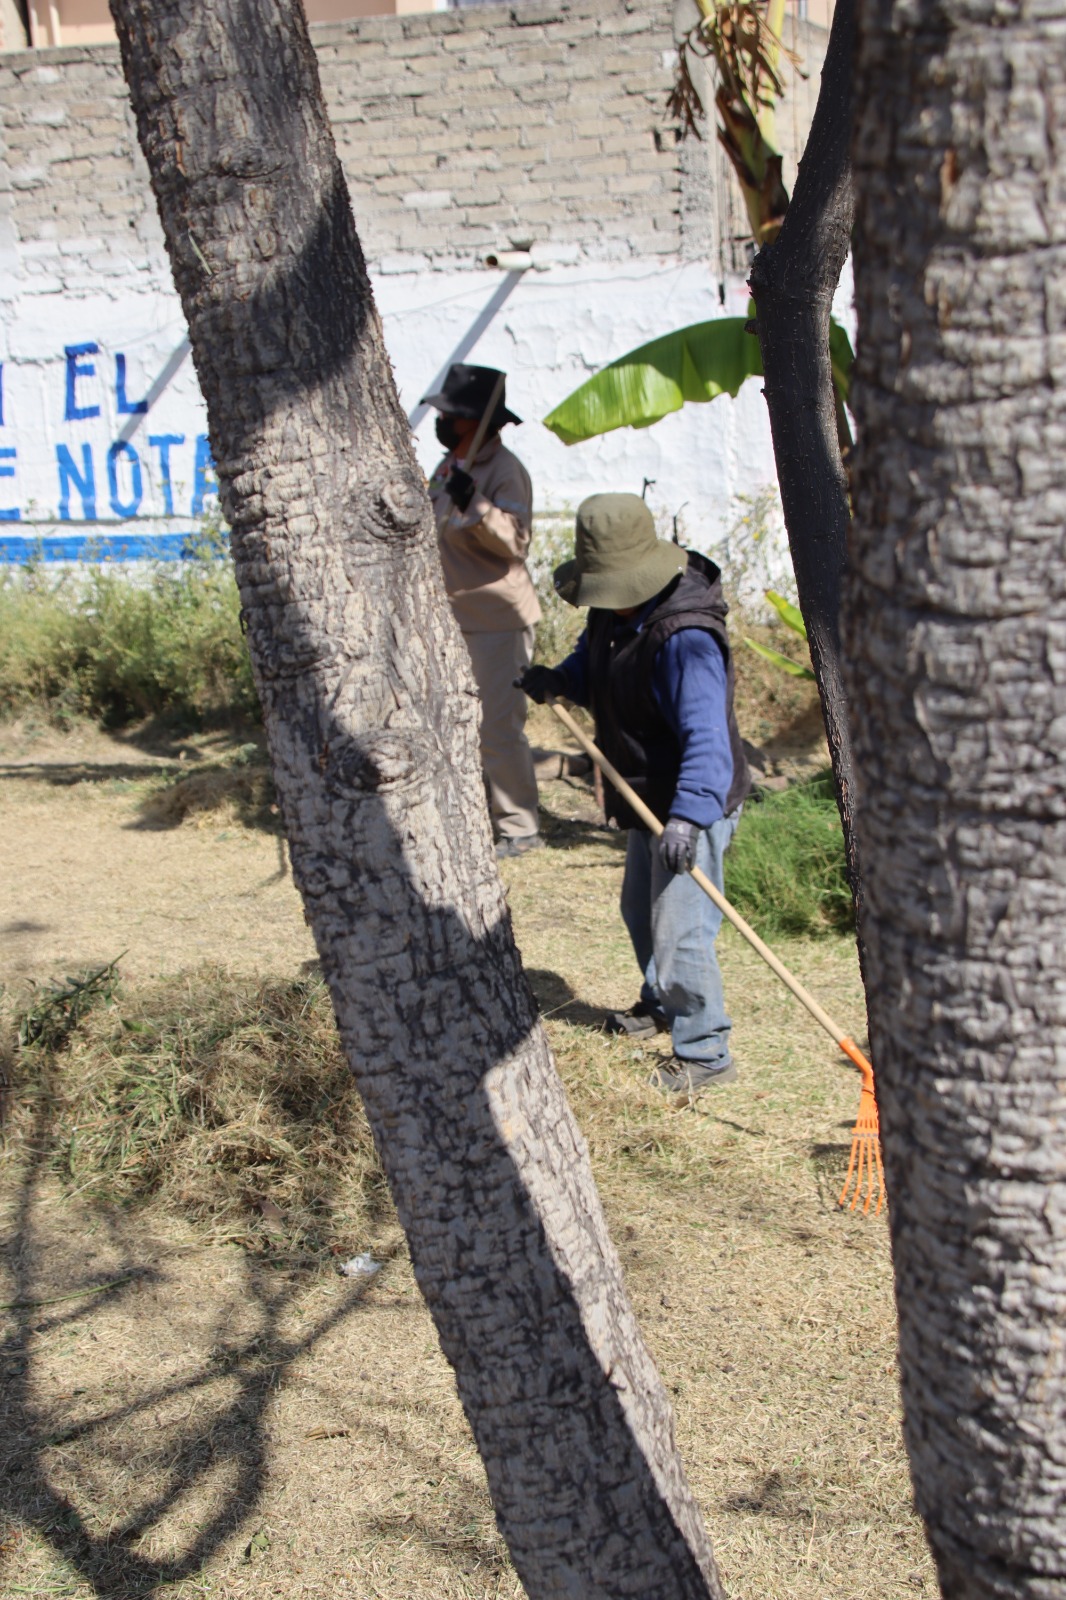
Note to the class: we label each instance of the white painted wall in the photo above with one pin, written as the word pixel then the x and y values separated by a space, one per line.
pixel 551 328
pixel 557 327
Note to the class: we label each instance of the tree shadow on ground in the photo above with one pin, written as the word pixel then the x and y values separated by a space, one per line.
pixel 175 738
pixel 227 766
pixel 575 833
pixel 777 1494
pixel 559 1003
pixel 65 774
pixel 221 1434
pixel 830 1163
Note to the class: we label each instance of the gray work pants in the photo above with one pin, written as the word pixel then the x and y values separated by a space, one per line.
pixel 673 926
pixel 498 659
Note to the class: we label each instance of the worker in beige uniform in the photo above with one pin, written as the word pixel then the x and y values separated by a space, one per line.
pixel 484 512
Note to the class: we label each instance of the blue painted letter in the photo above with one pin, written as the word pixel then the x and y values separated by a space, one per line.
pixel 123 508
pixel 79 369
pixel 11 513
pixel 162 442
pixel 203 480
pixel 126 408
pixel 84 482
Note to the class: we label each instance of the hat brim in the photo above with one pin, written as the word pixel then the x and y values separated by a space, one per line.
pixel 619 591
pixel 443 403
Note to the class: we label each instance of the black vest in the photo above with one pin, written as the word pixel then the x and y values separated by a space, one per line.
pixel 630 729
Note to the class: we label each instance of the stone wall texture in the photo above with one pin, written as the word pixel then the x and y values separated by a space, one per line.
pixel 459 131
pixel 463 134
pixel 477 127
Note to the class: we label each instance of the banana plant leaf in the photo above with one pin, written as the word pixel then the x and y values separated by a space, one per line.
pixel 697 364
pixel 841 357
pixel 790 615
pixel 793 668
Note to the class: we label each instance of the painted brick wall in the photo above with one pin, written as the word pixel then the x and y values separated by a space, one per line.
pixel 462 130
pixel 458 131
pixel 461 133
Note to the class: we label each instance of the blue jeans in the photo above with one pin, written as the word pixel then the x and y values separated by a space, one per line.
pixel 673 926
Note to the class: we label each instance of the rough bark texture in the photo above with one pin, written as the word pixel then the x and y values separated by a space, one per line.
pixel 793 282
pixel 372 719
pixel 956 644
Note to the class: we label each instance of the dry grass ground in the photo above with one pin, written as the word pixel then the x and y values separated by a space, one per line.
pixel 234 1419
pixel 93 861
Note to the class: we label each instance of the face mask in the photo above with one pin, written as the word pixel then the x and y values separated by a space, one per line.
pixel 447 432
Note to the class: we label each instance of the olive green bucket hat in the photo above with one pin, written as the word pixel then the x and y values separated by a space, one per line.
pixel 618 560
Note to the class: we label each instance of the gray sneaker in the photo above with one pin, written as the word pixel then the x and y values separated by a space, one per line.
pixel 505 848
pixel 684 1081
pixel 639 1022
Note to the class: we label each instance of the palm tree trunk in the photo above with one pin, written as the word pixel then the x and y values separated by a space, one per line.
pixel 793 282
pixel 956 643
pixel 372 721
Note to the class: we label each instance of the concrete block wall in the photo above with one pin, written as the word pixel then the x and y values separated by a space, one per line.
pixel 458 131
pixel 74 194
pixel 461 133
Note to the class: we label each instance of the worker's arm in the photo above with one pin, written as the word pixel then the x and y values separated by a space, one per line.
pixel 497 512
pixel 689 683
pixel 569 679
pixel 575 669
pixel 503 527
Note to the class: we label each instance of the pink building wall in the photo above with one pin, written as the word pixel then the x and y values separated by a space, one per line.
pixel 64 22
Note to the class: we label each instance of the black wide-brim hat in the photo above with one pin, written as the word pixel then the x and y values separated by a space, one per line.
pixel 467 392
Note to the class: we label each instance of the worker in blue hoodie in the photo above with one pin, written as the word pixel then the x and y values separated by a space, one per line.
pixel 654 666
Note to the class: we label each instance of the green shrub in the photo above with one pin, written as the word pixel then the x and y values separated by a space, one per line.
pixel 116 644
pixel 785 871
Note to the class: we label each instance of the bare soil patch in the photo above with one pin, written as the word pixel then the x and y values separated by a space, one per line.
pixel 236 1420
pixel 98 855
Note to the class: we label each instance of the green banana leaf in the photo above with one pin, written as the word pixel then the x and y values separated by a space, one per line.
pixel 790 615
pixel 842 358
pixel 697 363
pixel 793 668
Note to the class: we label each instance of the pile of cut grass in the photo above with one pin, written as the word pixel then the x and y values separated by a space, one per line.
pixel 225 1098
pixel 240 789
pixel 786 870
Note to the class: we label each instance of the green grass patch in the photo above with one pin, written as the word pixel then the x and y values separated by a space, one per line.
pixel 117 644
pixel 786 869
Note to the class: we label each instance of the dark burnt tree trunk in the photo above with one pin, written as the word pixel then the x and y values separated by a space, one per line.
pixel 372 720
pixel 793 281
pixel 955 635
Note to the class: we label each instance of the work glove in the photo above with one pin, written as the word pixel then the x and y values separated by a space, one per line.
pixel 541 683
pixel 459 486
pixel 677 847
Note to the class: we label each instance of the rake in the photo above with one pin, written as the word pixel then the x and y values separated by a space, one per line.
pixel 866 1179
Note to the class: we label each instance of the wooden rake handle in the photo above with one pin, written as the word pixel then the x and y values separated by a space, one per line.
pixel 746 931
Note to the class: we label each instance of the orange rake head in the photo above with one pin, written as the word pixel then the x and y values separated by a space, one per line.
pixel 866 1175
